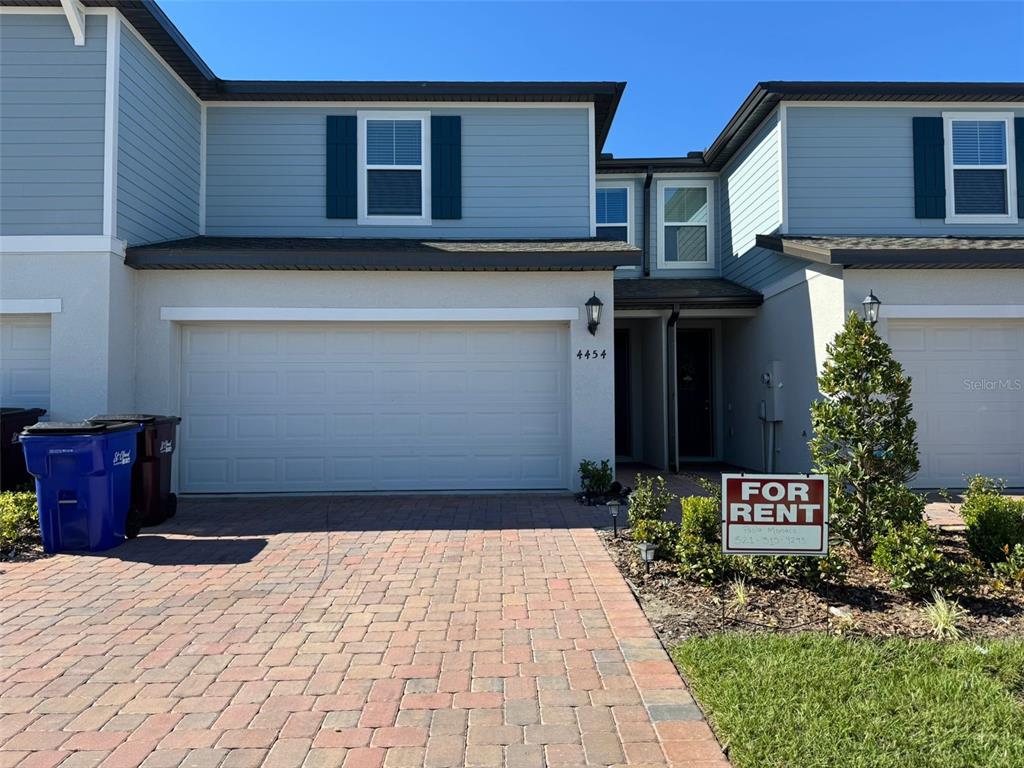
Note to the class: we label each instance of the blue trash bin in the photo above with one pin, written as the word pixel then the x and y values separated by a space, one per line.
pixel 83 478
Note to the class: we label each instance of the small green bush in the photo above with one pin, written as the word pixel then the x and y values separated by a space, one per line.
pixel 596 479
pixel 649 499
pixel 1011 569
pixel 807 570
pixel 909 554
pixel 699 549
pixel 663 535
pixel 19 520
pixel 995 523
pixel 702 517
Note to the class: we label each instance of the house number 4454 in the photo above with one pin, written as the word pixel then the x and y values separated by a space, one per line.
pixel 588 354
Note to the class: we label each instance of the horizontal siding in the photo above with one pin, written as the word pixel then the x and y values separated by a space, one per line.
pixel 51 126
pixel 851 171
pixel 158 150
pixel 750 205
pixel 525 173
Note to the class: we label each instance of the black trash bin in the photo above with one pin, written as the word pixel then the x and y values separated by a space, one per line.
pixel 14 475
pixel 152 500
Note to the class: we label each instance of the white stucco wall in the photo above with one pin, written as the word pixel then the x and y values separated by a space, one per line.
pixel 591 381
pixel 792 327
pixel 91 370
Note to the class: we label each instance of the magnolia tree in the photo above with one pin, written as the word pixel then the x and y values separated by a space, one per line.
pixel 864 436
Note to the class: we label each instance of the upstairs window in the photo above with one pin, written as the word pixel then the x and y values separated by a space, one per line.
pixel 980 182
pixel 685 221
pixel 393 170
pixel 613 213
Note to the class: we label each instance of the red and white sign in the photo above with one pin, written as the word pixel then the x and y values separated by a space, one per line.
pixel 775 514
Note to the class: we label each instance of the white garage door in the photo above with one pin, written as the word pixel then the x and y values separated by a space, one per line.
pixel 968 391
pixel 25 361
pixel 273 407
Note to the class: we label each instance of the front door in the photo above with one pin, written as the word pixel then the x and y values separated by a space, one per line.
pixel 694 388
pixel 623 395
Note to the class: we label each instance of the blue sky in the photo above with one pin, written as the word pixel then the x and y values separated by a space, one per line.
pixel 688 65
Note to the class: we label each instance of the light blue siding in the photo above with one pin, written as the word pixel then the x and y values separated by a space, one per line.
pixel 851 171
pixel 158 150
pixel 750 205
pixel 51 126
pixel 525 173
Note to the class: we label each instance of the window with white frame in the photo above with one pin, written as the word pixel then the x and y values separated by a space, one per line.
pixel 685 221
pixel 393 174
pixel 980 178
pixel 612 211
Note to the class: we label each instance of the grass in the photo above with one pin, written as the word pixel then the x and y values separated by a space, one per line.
pixel 814 701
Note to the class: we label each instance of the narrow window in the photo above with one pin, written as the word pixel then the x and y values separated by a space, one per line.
pixel 394 168
pixel 613 213
pixel 979 167
pixel 685 235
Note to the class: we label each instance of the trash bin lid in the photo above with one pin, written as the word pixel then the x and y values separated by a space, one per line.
pixel 76 428
pixel 138 418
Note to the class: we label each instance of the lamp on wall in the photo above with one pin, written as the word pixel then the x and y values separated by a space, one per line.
pixel 871 304
pixel 593 307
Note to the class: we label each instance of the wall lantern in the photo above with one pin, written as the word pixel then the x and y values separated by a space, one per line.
pixel 613 508
pixel 593 307
pixel 871 304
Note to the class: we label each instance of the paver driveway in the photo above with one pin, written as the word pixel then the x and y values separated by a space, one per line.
pixel 354 631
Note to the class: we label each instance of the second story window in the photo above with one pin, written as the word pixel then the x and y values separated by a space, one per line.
pixel 613 212
pixel 980 177
pixel 393 172
pixel 685 224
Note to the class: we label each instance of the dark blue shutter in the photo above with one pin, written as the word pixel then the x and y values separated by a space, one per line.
pixel 446 167
pixel 1018 139
pixel 929 169
pixel 341 167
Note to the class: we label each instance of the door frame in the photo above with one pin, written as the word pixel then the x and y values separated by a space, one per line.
pixel 717 390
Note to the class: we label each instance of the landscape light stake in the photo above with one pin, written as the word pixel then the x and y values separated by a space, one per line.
pixel 647 553
pixel 613 507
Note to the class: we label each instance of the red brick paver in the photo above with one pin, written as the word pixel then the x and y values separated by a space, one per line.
pixel 352 631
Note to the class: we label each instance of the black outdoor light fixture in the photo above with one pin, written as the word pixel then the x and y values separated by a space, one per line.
pixel 871 304
pixel 613 507
pixel 593 306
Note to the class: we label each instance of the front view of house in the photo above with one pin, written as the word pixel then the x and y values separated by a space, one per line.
pixel 346 286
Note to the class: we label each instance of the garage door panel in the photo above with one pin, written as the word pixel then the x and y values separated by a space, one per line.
pixel 25 361
pixel 968 394
pixel 354 407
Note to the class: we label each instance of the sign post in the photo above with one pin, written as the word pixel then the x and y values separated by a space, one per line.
pixel 775 515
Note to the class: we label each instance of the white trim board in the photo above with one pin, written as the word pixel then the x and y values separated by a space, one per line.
pixel 112 101
pixel 75 12
pixel 592 169
pixel 920 105
pixel 783 170
pixel 952 311
pixel 370 314
pixel 30 306
pixel 61 244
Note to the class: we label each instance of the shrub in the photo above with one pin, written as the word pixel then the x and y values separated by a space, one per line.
pixel 1011 569
pixel 995 523
pixel 596 479
pixel 649 499
pixel 699 549
pixel 19 519
pixel 807 570
pixel 910 556
pixel 663 535
pixel 864 435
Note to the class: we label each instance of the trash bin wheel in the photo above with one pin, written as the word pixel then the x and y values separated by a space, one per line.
pixel 172 505
pixel 131 524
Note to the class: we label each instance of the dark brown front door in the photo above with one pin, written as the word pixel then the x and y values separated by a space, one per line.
pixel 623 395
pixel 694 387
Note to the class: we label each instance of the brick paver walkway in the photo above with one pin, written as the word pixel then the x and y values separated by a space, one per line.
pixel 353 631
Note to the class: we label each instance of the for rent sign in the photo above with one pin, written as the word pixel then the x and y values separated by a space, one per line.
pixel 775 514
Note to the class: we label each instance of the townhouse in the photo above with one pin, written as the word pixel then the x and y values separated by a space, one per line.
pixel 408 286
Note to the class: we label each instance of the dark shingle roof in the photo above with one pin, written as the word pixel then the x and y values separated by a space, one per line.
pixel 381 254
pixel 907 252
pixel 687 293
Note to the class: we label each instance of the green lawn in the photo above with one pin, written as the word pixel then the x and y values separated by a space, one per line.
pixel 814 701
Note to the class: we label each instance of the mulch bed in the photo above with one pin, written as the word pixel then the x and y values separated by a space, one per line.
pixel 866 604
